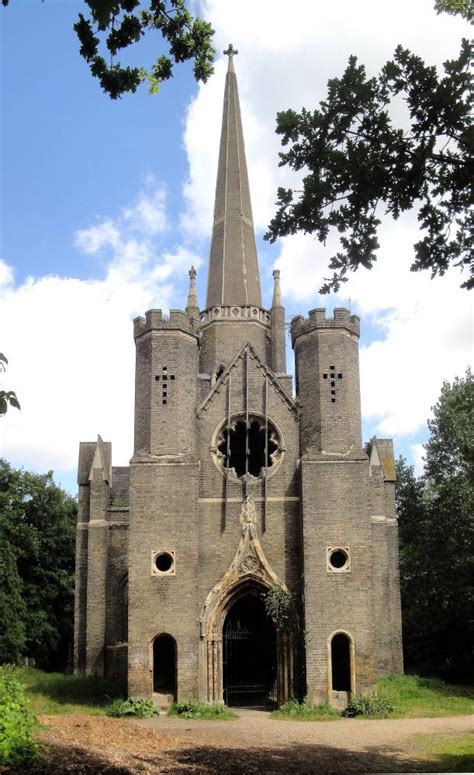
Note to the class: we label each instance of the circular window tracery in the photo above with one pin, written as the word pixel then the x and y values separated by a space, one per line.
pixel 248 450
pixel 163 563
pixel 338 558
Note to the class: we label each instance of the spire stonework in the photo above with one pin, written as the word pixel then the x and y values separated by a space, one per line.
pixel 233 265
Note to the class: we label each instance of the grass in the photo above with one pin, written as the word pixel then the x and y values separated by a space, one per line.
pixel 192 709
pixel 410 696
pixel 53 694
pixel 293 710
pixel 449 753
pixel 414 697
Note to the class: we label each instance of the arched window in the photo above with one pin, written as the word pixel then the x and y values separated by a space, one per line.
pixel 341 662
pixel 219 372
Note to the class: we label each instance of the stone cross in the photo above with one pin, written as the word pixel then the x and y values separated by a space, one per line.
pixel 231 51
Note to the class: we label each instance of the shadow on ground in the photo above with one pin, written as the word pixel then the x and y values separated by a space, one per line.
pixel 297 759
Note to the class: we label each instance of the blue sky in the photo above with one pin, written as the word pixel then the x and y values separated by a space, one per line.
pixel 105 204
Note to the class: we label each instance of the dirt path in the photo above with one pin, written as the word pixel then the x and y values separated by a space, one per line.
pixel 254 743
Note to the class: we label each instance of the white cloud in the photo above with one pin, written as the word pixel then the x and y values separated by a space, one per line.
pixel 418 454
pixel 6 273
pixel 93 239
pixel 70 341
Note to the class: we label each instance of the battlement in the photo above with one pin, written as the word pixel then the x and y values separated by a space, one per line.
pixel 154 320
pixel 317 320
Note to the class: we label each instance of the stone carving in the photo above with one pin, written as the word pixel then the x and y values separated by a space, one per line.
pixel 248 513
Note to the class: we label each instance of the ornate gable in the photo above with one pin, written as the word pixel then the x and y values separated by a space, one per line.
pixel 248 351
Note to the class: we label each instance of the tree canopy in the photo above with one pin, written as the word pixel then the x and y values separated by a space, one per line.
pixel 436 522
pixel 37 529
pixel 357 164
pixel 117 24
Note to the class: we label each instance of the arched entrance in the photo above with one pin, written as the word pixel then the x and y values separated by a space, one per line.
pixel 249 658
pixel 164 665
pixel 341 677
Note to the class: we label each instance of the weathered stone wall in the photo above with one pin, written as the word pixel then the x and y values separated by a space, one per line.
pixel 163 516
pixel 334 500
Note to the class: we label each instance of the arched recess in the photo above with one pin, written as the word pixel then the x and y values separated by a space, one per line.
pixel 214 615
pixel 122 610
pixel 341 663
pixel 164 656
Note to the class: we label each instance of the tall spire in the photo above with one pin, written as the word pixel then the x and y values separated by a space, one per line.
pixel 233 266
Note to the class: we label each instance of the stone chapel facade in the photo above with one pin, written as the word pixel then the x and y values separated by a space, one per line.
pixel 235 487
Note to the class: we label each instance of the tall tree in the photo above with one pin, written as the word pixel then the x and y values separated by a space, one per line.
pixel 37 526
pixel 358 164
pixel 436 520
pixel 118 24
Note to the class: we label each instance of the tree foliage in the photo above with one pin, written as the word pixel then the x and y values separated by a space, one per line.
pixel 436 521
pixel 37 526
pixel 117 24
pixel 7 397
pixel 356 163
pixel 455 7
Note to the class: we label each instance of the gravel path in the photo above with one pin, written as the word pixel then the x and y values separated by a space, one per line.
pixel 254 744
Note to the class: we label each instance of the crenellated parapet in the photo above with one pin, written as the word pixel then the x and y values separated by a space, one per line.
pixel 155 320
pixel 233 312
pixel 317 319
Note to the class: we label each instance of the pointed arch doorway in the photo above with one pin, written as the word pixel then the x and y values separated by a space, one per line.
pixel 249 654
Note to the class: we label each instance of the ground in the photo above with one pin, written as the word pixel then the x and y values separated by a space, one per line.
pixel 254 743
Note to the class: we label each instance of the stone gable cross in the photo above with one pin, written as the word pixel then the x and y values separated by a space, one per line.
pixel 231 51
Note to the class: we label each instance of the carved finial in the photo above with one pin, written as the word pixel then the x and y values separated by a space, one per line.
pixel 276 289
pixel 231 52
pixel 192 306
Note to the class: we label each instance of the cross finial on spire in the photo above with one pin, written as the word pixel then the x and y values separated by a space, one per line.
pixel 230 52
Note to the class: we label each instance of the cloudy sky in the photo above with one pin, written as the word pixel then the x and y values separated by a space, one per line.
pixel 105 205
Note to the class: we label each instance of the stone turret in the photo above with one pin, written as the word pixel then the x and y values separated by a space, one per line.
pixel 327 380
pixel 165 383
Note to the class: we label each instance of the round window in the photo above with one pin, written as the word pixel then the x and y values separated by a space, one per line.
pixel 338 559
pixel 250 449
pixel 163 562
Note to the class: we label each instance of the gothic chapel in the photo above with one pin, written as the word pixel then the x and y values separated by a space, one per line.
pixel 236 487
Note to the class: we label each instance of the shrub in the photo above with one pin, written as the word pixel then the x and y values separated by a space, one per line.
pixel 371 707
pixel 191 708
pixel 306 711
pixel 16 722
pixel 134 707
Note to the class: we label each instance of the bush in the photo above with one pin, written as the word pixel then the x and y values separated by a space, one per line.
pixel 16 722
pixel 132 707
pixel 370 707
pixel 306 711
pixel 191 708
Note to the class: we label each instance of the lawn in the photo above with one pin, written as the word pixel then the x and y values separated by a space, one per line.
pixel 452 753
pixel 53 694
pixel 414 697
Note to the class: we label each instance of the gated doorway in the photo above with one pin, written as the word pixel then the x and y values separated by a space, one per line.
pixel 249 655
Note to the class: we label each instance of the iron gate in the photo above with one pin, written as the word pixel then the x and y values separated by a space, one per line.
pixel 249 657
